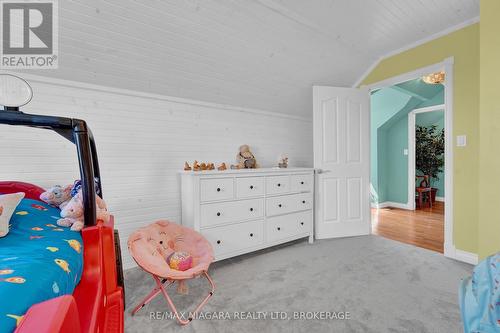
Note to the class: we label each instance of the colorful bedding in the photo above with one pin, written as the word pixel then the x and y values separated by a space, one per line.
pixel 480 297
pixel 39 260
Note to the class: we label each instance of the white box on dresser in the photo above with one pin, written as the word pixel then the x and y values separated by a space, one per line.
pixel 241 211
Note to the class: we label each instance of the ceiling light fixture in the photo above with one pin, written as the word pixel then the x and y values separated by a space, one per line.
pixel 434 78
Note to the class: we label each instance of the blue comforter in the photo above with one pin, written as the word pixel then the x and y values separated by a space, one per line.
pixel 480 297
pixel 38 261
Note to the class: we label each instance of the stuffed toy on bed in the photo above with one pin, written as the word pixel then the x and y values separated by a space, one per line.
pixel 72 212
pixel 57 196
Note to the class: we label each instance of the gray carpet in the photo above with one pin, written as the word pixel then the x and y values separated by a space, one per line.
pixel 386 286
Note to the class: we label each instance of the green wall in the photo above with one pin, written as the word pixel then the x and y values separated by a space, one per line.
pixel 385 104
pixel 397 163
pixel 463 45
pixel 489 155
pixel 389 139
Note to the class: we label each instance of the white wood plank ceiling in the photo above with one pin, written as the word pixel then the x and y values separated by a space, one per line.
pixel 262 54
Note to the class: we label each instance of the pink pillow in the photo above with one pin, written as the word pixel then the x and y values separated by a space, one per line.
pixel 8 204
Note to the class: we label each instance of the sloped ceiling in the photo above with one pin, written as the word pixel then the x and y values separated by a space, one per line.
pixel 390 104
pixel 419 89
pixel 263 54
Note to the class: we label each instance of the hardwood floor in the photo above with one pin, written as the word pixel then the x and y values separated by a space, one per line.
pixel 421 227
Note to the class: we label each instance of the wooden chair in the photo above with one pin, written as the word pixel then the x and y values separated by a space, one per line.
pixel 421 190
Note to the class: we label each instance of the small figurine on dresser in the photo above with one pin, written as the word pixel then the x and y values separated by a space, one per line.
pixel 200 166
pixel 283 162
pixel 245 159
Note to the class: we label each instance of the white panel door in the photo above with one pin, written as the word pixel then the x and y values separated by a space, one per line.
pixel 342 159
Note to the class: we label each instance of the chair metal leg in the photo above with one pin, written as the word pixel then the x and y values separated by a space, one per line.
pixel 150 297
pixel 172 306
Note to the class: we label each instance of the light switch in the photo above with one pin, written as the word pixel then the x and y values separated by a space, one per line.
pixel 405 152
pixel 461 140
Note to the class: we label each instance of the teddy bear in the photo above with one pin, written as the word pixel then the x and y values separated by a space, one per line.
pixel 245 158
pixel 57 196
pixel 72 212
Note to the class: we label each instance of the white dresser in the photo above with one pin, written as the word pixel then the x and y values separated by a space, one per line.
pixel 241 211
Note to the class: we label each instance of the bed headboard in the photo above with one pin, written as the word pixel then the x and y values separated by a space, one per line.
pixel 32 191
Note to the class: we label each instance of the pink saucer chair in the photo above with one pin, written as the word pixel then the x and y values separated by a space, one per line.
pixel 151 245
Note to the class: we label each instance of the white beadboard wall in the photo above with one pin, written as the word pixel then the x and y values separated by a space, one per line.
pixel 143 141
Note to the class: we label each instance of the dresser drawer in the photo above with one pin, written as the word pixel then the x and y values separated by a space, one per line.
pixel 302 183
pixel 277 184
pixel 248 187
pixel 235 237
pixel 288 204
pixel 216 189
pixel 285 226
pixel 233 211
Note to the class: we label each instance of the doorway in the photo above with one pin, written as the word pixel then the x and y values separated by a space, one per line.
pixel 332 137
pixel 408 143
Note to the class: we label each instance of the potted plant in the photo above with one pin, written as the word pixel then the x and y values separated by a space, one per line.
pixel 429 154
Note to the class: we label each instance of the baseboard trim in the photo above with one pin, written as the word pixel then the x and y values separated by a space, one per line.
pixel 392 204
pixel 440 199
pixel 460 255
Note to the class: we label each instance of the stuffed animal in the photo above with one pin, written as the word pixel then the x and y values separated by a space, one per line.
pixel 57 196
pixel 72 213
pixel 245 158
pixel 211 166
pixel 222 167
pixel 196 166
pixel 283 163
pixel 181 261
pixel 186 166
